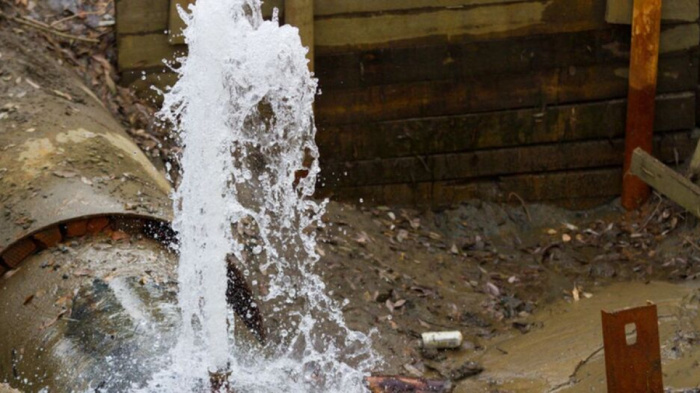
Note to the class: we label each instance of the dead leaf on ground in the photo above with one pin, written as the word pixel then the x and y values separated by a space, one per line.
pixel 84 273
pixel 63 95
pixel 50 323
pixel 65 174
pixel 402 235
pixel 492 289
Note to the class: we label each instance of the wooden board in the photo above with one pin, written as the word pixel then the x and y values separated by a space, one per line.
pixel 371 7
pixel 486 19
pixel 142 16
pixel 144 84
pixel 477 22
pixel 620 11
pixel 146 51
pixel 667 181
pixel 566 123
pixel 176 24
pixel 498 162
pixel 300 14
pixel 465 60
pixel 454 97
pixel 571 189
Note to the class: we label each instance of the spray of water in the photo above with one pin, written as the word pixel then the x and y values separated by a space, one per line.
pixel 243 109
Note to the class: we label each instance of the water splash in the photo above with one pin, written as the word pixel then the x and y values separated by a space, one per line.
pixel 243 107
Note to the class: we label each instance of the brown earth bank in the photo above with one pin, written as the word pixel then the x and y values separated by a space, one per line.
pixel 521 282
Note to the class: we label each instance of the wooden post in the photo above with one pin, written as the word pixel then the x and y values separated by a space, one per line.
pixel 644 59
pixel 300 13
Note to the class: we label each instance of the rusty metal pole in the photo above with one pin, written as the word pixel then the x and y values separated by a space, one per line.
pixel 644 59
pixel 632 350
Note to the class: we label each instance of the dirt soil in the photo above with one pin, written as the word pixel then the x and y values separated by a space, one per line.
pixel 500 274
pixel 493 272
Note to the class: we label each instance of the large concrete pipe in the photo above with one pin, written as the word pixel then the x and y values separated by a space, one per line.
pixel 88 289
pixel 87 293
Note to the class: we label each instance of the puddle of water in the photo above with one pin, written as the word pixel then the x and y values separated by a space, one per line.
pixel 565 354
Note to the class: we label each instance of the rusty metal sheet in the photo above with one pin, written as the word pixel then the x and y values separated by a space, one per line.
pixel 632 350
pixel 62 159
pixel 644 59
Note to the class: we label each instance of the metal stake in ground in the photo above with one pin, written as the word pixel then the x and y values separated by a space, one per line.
pixel 632 350
pixel 644 59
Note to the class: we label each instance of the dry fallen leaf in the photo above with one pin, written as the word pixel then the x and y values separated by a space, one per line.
pixel 63 95
pixel 50 323
pixel 402 235
pixel 566 238
pixel 492 289
pixel 83 273
pixel 65 174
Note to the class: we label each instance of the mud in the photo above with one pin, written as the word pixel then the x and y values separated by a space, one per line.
pixel 506 278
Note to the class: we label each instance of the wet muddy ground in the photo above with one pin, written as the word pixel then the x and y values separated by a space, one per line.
pixel 525 286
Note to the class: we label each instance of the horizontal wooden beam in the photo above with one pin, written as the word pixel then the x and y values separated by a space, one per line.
pixel 535 89
pixel 140 52
pixel 465 60
pixel 620 11
pixel 481 21
pixel 498 162
pixel 344 7
pixel 177 25
pixel 522 127
pixel 142 16
pixel 666 181
pixel 571 189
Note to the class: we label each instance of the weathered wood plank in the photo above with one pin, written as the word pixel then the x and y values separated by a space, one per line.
pixel 666 181
pixel 566 123
pixel 488 21
pixel 145 51
pixel 144 82
pixel 498 162
pixel 466 60
pixel 300 14
pixel 572 189
pixel 339 7
pixel 694 166
pixel 454 97
pixel 620 11
pixel 176 24
pixel 142 16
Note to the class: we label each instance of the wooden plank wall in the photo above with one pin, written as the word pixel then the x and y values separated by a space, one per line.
pixel 435 101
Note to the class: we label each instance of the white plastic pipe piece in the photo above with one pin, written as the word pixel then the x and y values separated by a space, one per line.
pixel 442 340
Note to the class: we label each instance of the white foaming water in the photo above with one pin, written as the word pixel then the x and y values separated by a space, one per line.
pixel 243 108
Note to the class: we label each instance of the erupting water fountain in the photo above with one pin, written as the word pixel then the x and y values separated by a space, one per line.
pixel 243 107
pixel 107 313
